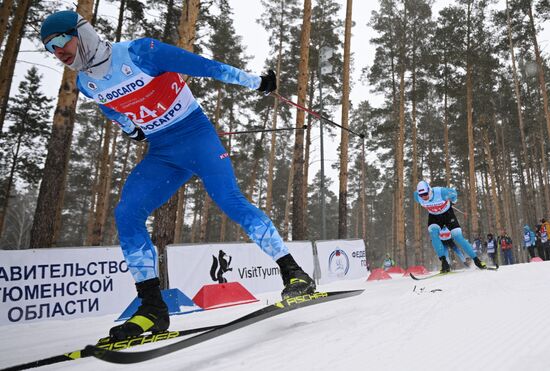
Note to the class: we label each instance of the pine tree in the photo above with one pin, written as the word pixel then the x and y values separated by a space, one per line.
pixel 23 145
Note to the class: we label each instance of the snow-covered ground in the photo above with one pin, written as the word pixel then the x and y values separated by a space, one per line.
pixel 476 320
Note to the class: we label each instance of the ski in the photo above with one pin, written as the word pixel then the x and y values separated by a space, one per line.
pixel 489 268
pixel 107 343
pixel 249 319
pixel 432 276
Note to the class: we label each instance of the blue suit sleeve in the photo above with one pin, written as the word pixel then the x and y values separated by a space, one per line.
pixel 121 120
pixel 155 57
pixel 416 197
pixel 449 194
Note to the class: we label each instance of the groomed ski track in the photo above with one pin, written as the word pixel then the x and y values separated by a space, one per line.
pixel 471 321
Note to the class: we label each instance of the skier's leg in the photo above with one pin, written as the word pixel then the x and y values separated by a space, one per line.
pixel 433 230
pixel 216 172
pixel 439 248
pixel 148 186
pixel 447 252
pixel 456 234
pixel 459 253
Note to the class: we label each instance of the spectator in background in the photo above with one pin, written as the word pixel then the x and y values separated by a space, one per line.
pixel 529 240
pixel 492 248
pixel 544 237
pixel 388 262
pixel 505 243
pixel 477 245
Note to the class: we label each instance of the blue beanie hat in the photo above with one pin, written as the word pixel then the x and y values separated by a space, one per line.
pixel 59 22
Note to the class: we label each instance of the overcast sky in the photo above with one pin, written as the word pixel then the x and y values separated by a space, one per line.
pixel 255 38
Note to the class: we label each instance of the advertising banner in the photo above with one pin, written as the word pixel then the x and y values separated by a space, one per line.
pixel 341 260
pixel 63 283
pixel 192 266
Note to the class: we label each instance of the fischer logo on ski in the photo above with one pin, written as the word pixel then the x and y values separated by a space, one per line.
pixel 300 299
pixel 107 343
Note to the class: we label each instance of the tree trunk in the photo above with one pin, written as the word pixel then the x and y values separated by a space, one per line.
pixel 363 195
pixel 47 216
pixel 399 153
pixel 530 189
pixel 415 177
pixel 224 224
pixel 287 202
pixel 195 214
pixel 273 147
pixel 5 11
pixel 494 196
pixel 120 184
pixel 9 184
pixel 163 232
pixel 540 64
pixel 298 230
pixel 180 217
pixel 311 94
pixel 344 142
pixel 446 126
pixel 96 236
pixel 469 114
pixel 256 160
pixel 545 177
pixel 94 192
pixel 205 217
pixel 7 66
pixel 187 24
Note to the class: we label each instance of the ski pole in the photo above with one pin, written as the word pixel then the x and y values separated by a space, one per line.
pixel 315 114
pixel 460 211
pixel 221 133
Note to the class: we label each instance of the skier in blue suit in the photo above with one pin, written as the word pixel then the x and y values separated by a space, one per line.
pixel 438 201
pixel 139 85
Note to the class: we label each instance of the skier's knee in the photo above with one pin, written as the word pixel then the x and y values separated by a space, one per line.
pixel 121 213
pixel 434 230
pixel 456 232
pixel 125 214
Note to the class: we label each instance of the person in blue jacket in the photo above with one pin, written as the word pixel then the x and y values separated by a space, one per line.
pixel 438 202
pixel 529 240
pixel 139 85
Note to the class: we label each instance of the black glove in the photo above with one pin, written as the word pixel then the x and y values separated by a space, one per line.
pixel 269 82
pixel 137 134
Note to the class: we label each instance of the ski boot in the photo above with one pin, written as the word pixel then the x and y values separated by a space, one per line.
pixel 480 264
pixel 152 315
pixel 445 268
pixel 296 281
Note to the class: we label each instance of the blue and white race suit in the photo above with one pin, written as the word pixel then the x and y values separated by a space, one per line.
pixel 144 88
pixel 441 214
